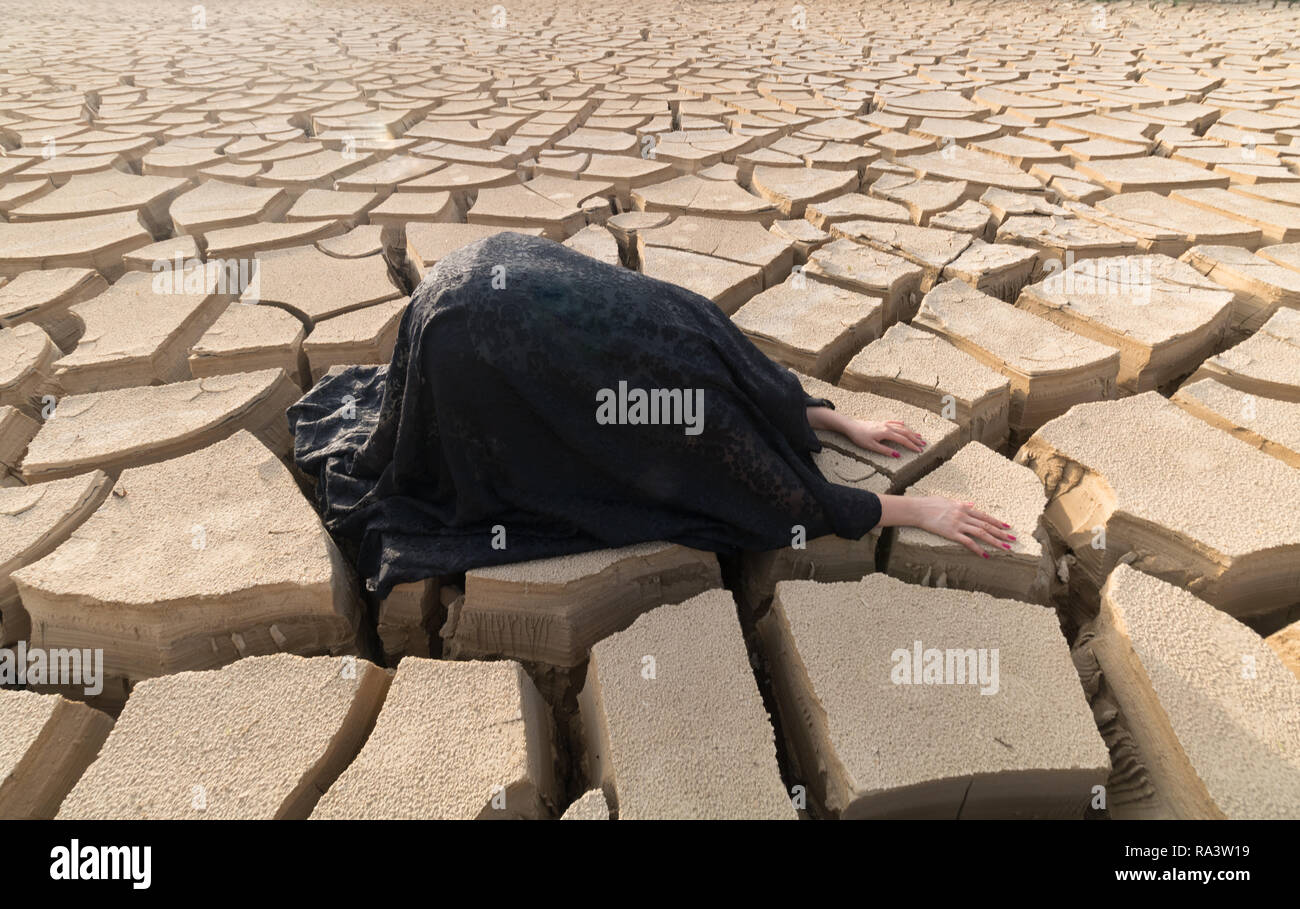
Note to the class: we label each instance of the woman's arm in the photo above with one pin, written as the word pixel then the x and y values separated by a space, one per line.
pixel 960 522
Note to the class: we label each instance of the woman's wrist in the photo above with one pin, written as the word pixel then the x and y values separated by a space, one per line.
pixel 901 511
pixel 825 418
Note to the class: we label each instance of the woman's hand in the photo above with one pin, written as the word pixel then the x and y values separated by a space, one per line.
pixel 872 436
pixel 960 522
pixel 866 434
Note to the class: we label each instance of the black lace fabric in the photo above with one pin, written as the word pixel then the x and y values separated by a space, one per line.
pixel 480 443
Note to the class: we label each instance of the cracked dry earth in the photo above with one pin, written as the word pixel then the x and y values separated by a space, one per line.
pixel 1062 240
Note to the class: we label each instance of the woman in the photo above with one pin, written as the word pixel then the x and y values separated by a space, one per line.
pixel 541 403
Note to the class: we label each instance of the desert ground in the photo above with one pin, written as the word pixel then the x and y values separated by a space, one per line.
pixel 1062 240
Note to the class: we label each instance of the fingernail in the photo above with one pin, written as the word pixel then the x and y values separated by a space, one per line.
pixel 895 454
pixel 1006 526
pixel 1010 537
pixel 1005 546
pixel 985 554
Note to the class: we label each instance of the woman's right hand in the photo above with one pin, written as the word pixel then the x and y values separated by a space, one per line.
pixel 962 522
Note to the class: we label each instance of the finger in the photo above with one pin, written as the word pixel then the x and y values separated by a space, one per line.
pixel 979 532
pixel 969 544
pixel 873 445
pixel 994 529
pixel 903 439
pixel 986 518
pixel 907 431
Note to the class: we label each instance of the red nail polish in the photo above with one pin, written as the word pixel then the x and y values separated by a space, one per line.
pixel 895 454
pixel 1010 537
pixel 1005 546
pixel 1007 527
pixel 985 554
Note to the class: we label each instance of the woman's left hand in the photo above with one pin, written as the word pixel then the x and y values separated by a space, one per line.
pixel 873 435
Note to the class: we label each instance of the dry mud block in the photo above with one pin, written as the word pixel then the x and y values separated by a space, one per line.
pixel 931 248
pixel 554 610
pixel 533 204
pixel 317 170
pixel 1192 504
pixel 1166 226
pixel 1150 174
pixel 997 269
pixel 216 205
pixel 1162 315
pixel 1202 718
pixel 980 172
pixel 1279 222
pixel 922 200
pixel 942 436
pixel 592 806
pixel 597 242
pixel 427 244
pixel 107 192
pixel 809 326
pixel 693 195
pixel 27 357
pixel 905 701
pixel 1265 364
pixel 254 240
pixel 399 209
pixel 97 242
pixel 1063 241
pixel 409 618
pixel 16 432
pixel 46 743
pixel 1050 369
pixel 45 297
pixel 1286 644
pixel 1259 286
pixel 454 741
pixel 314 286
pixel 140 330
pixel 365 335
pixel 156 255
pixel 924 370
pixel 193 563
pixel 365 240
pixel 33 521
pixel 872 272
pixel 248 338
pixel 805 238
pixel 260 739
pixel 727 283
pixel 792 189
pixel 859 207
pixel 997 486
pixel 1271 426
pixel 675 726
pixel 824 558
pixel 742 242
pixel 132 427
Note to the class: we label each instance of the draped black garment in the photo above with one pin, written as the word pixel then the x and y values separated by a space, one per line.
pixel 483 429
